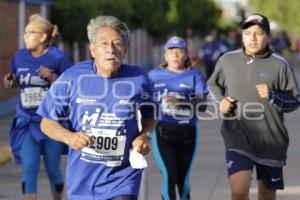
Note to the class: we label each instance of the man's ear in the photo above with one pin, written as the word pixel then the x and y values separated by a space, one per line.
pixel 92 50
pixel 270 37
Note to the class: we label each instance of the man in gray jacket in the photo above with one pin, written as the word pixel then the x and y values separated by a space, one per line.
pixel 254 87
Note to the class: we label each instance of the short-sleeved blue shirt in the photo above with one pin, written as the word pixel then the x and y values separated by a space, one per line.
pixel 105 109
pixel 184 86
pixel 32 86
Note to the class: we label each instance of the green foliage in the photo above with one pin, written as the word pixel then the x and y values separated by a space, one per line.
pixel 150 15
pixel 73 16
pixel 200 15
pixel 158 17
pixel 286 14
pixel 172 14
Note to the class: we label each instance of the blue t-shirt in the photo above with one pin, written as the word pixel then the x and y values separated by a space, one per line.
pixel 105 109
pixel 32 90
pixel 185 86
pixel 32 86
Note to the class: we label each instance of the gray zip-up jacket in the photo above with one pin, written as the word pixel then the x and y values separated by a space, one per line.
pixel 256 128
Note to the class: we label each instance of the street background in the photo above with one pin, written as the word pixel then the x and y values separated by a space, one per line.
pixel 194 20
pixel 208 178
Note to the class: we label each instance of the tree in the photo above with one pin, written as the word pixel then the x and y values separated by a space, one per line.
pixel 72 17
pixel 200 15
pixel 158 17
pixel 287 15
pixel 150 15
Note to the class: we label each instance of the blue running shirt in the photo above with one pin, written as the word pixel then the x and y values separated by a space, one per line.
pixel 184 86
pixel 105 109
pixel 32 86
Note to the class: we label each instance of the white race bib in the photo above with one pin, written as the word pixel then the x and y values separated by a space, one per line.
pixel 173 110
pixel 32 97
pixel 108 147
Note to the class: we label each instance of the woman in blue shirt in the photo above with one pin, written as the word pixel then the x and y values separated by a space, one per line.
pixel 181 92
pixel 33 69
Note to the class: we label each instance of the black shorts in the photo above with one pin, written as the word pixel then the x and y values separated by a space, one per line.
pixel 272 177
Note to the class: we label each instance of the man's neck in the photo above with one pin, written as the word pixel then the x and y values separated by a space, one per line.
pixel 261 53
pixel 107 73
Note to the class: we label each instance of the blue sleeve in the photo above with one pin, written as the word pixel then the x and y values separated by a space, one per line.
pixel 65 63
pixel 151 76
pixel 201 85
pixel 149 106
pixel 55 105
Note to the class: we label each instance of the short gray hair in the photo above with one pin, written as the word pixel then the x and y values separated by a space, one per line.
pixel 108 21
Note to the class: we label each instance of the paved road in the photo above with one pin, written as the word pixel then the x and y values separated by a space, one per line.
pixel 209 180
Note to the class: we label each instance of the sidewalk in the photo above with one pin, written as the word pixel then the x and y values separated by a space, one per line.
pixel 208 178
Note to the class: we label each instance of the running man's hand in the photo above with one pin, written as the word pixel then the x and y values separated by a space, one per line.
pixel 142 144
pixel 263 90
pixel 9 80
pixel 78 140
pixel 227 104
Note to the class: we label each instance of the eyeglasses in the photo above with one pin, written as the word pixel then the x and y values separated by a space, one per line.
pixel 32 32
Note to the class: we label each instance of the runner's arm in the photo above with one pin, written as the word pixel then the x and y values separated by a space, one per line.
pixel 54 130
pixel 141 142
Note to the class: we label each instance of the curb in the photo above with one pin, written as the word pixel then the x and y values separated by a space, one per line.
pixel 5 154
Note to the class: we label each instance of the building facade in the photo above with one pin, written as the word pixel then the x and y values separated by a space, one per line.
pixel 13 16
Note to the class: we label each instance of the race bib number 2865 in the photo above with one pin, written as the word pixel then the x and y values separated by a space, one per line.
pixel 32 97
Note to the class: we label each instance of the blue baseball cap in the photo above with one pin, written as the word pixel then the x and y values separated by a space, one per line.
pixel 176 42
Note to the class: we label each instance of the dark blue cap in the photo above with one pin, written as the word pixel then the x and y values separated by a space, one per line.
pixel 257 19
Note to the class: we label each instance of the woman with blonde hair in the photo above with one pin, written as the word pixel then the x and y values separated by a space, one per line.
pixel 33 70
pixel 181 93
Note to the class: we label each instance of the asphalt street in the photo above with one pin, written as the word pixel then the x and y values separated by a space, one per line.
pixel 208 178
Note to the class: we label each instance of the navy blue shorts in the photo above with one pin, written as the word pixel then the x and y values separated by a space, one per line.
pixel 272 177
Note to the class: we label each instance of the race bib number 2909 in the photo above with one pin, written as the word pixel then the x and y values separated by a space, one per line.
pixel 108 147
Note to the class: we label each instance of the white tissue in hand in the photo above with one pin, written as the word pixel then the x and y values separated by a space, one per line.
pixel 137 160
